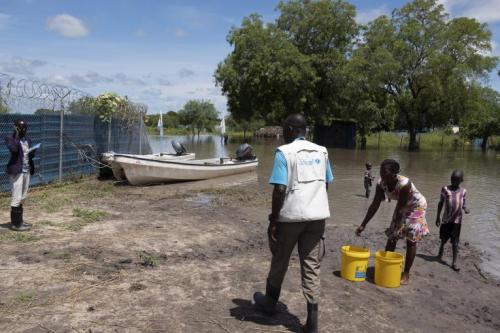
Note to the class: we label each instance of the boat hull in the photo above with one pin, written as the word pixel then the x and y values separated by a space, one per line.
pixel 114 161
pixel 145 171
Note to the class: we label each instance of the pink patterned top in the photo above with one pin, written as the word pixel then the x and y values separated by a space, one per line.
pixel 454 204
pixel 415 200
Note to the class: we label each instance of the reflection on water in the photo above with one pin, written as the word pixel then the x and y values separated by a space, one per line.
pixel 428 170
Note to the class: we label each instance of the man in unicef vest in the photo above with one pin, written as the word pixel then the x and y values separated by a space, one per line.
pixel 300 176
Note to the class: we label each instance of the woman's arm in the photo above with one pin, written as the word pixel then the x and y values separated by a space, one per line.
pixel 379 197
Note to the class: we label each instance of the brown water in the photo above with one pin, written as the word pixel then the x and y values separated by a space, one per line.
pixel 429 171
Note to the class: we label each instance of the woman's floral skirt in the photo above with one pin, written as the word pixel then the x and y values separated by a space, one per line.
pixel 414 226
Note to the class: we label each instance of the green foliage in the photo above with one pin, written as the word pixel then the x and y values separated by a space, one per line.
pixel 325 33
pixel 411 70
pixel 424 61
pixel 88 215
pixel 107 105
pixel 431 141
pixel 24 297
pixel 83 106
pixel 46 111
pixel 483 117
pixel 265 75
pixel 4 108
pixel 170 120
pixel 243 125
pixel 148 259
pixel 198 115
pixel 364 101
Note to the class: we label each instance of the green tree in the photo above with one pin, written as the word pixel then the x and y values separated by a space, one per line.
pixel 108 105
pixel 265 75
pixel 363 101
pixel 152 120
pixel 254 124
pixel 198 115
pixel 3 106
pixel 83 106
pixel 483 117
pixel 46 111
pixel 325 32
pixel 171 119
pixel 419 57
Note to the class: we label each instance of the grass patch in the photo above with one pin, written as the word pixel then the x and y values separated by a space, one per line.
pixel 75 226
pixel 148 259
pixel 240 135
pixel 16 236
pixel 46 223
pixel 5 200
pixel 435 140
pixel 89 215
pixel 60 255
pixel 55 196
pixel 234 195
pixel 24 297
pixel 86 217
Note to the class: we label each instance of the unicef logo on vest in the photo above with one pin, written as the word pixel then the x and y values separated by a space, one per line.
pixel 309 162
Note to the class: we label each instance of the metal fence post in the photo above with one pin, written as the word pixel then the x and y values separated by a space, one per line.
pixel 140 134
pixel 109 134
pixel 61 128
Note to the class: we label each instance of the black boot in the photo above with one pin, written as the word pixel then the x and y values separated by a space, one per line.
pixel 22 218
pixel 312 319
pixel 16 218
pixel 267 302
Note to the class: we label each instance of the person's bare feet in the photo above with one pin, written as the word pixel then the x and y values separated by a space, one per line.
pixel 405 279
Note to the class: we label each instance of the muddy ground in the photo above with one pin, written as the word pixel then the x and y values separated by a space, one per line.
pixel 107 257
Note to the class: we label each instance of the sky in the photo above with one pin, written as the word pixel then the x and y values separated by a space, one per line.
pixel 161 53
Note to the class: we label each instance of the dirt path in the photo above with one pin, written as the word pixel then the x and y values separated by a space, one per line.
pixel 188 257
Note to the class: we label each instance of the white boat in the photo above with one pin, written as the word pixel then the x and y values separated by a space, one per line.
pixel 141 170
pixel 114 160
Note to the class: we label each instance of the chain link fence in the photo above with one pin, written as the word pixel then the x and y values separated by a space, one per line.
pixel 71 135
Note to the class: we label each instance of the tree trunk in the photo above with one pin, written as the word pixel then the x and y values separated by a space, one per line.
pixel 363 143
pixel 413 144
pixel 244 134
pixel 484 144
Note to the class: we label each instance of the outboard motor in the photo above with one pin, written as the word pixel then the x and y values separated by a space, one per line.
pixel 178 147
pixel 245 152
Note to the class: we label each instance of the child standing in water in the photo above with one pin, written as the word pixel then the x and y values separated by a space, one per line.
pixel 368 178
pixel 453 197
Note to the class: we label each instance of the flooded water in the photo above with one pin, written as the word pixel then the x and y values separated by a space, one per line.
pixel 429 171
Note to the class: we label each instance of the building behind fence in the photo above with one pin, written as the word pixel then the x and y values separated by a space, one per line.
pixel 71 143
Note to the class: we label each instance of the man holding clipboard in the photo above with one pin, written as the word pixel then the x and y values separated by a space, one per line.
pixel 19 168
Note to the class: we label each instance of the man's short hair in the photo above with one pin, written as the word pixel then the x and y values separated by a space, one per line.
pixel 295 121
